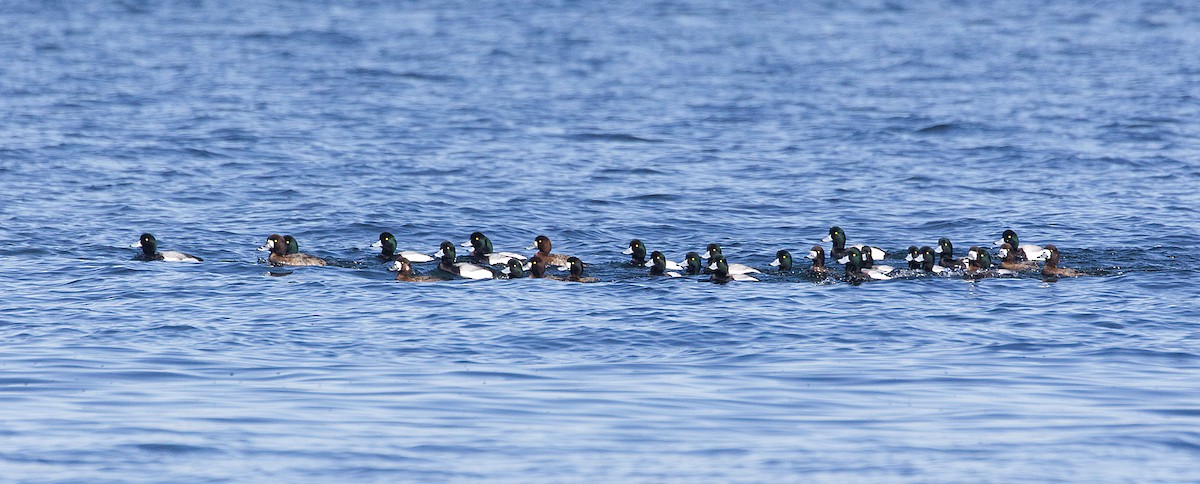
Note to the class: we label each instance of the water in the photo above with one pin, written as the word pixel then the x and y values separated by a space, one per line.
pixel 756 125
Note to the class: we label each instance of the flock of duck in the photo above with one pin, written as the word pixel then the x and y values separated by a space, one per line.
pixel 484 262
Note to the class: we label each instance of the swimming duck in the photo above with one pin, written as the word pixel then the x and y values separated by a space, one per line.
pixel 543 246
pixel 979 264
pixel 913 263
pixel 1027 252
pixel 927 258
pixel 838 237
pixel 946 252
pixel 537 270
pixel 280 257
pixel 817 254
pixel 464 269
pixel 575 265
pixel 854 267
pixel 1008 259
pixel 636 252
pixel 404 270
pixel 692 264
pixel 1051 269
pixel 868 262
pixel 483 253
pixel 721 273
pixel 659 264
pixel 515 269
pixel 714 250
pixel 783 260
pixel 150 251
pixel 293 247
pixel 387 245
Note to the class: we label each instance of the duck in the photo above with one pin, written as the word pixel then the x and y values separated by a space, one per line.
pixel 293 246
pixel 927 258
pixel 466 270
pixel 543 246
pixel 515 268
pixel 913 263
pixel 979 263
pixel 817 254
pixel 279 256
pixel 868 262
pixel 575 266
pixel 149 246
pixel 692 264
pixel 1008 259
pixel 404 272
pixel 721 273
pixel 537 270
pixel 714 250
pixel 783 260
pixel 854 267
pixel 482 252
pixel 945 250
pixel 387 245
pixel 1027 252
pixel 838 237
pixel 636 252
pixel 659 264
pixel 1051 268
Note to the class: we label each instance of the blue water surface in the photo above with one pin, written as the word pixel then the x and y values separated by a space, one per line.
pixel 755 125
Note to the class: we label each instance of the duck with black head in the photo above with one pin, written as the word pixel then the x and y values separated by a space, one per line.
pixel 279 256
pixel 149 246
pixel 713 250
pixel 543 246
pixel 537 270
pixel 783 260
pixel 387 250
pixel 838 237
pixel 722 274
pixel 483 253
pixel 659 265
pixel 515 268
pixel 575 269
pixel 692 264
pixel 854 267
pixel 913 263
pixel 945 251
pixel 448 255
pixel 927 259
pixel 636 252
pixel 1027 252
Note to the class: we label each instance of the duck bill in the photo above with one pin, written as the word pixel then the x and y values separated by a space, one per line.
pixel 506 271
pixel 439 254
pixel 267 247
pixel 627 251
pixel 465 244
pixel 712 267
pixel 909 258
pixel 531 247
pixel 828 238
pixel 138 244
pixel 649 263
pixel 812 254
pixel 937 250
pixel 774 263
pixel 377 244
pixel 998 242
pixel 844 260
pixel 920 258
